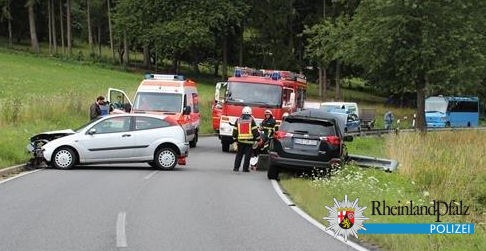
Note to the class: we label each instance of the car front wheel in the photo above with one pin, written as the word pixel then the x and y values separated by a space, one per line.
pixel 165 158
pixel 64 158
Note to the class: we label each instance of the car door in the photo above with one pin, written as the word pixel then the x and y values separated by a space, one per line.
pixel 119 100
pixel 147 133
pixel 109 140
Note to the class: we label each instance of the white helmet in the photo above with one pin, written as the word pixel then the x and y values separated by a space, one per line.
pixel 246 110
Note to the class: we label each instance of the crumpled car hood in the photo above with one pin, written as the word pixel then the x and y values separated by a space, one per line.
pixel 52 135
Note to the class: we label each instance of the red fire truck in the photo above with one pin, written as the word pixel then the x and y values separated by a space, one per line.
pixel 282 92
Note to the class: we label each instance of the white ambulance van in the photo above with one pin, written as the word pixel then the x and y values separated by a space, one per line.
pixel 169 95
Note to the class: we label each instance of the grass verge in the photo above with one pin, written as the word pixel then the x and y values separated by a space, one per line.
pixel 441 166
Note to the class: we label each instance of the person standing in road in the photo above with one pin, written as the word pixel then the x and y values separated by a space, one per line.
pixel 388 120
pixel 245 132
pixel 267 128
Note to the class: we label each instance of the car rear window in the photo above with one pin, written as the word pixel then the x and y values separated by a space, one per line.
pixel 144 123
pixel 310 127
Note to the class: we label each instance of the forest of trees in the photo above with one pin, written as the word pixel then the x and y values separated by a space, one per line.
pixel 404 46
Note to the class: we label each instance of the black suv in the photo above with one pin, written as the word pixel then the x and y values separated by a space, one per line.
pixel 306 140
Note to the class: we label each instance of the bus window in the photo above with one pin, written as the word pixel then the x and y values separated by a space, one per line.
pixel 463 106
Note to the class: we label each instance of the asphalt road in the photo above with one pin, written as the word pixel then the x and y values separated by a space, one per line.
pixel 202 206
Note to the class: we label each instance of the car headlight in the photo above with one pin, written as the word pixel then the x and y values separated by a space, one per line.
pixel 443 119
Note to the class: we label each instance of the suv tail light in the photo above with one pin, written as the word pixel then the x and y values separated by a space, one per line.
pixel 282 134
pixel 332 140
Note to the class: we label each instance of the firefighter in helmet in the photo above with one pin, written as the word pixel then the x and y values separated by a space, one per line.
pixel 267 128
pixel 245 132
pixel 268 125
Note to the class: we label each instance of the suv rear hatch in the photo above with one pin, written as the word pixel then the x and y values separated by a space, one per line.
pixel 307 139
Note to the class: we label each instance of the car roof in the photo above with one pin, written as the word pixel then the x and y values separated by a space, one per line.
pixel 319 114
pixel 339 103
pixel 159 116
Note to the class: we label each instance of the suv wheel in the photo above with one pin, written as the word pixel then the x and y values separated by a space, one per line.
pixel 272 173
pixel 193 142
pixel 165 158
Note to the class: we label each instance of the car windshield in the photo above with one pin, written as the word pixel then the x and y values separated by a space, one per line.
pixel 435 105
pixel 333 108
pixel 158 102
pixel 315 128
pixel 258 94
pixel 86 124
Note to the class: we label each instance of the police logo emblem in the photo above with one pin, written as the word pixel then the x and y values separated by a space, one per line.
pixel 345 218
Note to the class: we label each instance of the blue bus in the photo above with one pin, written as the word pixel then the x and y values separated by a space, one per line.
pixel 442 111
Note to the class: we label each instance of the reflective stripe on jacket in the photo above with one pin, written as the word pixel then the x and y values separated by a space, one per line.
pixel 245 130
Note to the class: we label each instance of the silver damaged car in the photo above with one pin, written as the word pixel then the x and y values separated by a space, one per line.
pixel 123 138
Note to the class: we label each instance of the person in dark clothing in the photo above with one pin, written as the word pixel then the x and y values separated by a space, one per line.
pixel 245 132
pixel 95 108
pixel 267 129
pixel 388 118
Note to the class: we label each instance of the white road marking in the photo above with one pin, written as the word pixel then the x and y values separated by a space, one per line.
pixel 121 237
pixel 150 175
pixel 19 175
pixel 314 222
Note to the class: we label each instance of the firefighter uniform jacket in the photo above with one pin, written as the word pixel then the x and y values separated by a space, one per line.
pixel 245 130
pixel 268 127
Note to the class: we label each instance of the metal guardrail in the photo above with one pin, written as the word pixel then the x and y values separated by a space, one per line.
pixel 372 162
pixel 379 132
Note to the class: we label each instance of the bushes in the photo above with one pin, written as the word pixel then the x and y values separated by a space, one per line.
pixel 11 110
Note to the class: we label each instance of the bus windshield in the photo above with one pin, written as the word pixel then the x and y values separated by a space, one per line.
pixel 436 104
pixel 258 94
pixel 158 102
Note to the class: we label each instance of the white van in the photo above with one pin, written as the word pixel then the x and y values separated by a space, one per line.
pixel 340 107
pixel 349 110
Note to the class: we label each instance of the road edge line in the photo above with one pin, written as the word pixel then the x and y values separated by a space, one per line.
pixel 13 169
pixel 311 220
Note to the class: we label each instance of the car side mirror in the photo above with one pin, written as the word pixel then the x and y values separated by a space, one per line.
pixel 92 131
pixel 348 138
pixel 186 110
